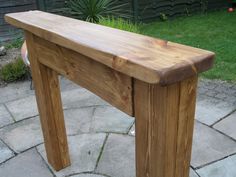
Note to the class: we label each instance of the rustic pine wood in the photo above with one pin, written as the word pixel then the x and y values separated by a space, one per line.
pixel 50 108
pixel 111 85
pixel 151 79
pixel 148 59
pixel 164 128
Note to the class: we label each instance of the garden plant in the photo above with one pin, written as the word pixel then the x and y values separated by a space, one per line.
pixel 95 10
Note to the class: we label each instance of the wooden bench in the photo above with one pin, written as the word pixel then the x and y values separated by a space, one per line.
pixel 151 79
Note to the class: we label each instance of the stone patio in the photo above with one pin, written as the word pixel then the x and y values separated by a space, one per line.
pixel 101 138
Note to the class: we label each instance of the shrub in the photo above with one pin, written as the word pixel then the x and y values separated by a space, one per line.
pixel 17 43
pixel 94 10
pixel 14 71
pixel 120 23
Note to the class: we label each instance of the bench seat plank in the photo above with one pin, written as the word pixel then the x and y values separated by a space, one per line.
pixel 145 58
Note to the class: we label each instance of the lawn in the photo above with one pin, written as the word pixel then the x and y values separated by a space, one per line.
pixel 215 31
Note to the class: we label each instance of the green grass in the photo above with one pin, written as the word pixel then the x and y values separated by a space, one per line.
pixel 14 71
pixel 215 31
pixel 120 23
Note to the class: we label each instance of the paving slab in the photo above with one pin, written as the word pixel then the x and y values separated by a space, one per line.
pixel 227 125
pixel 5 117
pixel 84 153
pixel 22 135
pixel 15 91
pixel 80 98
pixel 5 152
pixel 209 145
pixel 66 84
pixel 88 175
pixel 27 164
pixel 222 168
pixel 87 113
pixel 21 89
pixel 110 119
pixel 210 110
pixel 193 173
pixel 23 108
pixel 78 120
pixel 76 98
pixel 118 157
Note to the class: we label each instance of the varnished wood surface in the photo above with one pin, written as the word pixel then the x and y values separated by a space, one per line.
pixel 151 79
pixel 110 85
pixel 164 128
pixel 47 90
pixel 148 59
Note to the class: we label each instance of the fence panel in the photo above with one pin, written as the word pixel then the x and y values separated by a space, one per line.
pixel 7 32
pixel 142 10
pixel 152 9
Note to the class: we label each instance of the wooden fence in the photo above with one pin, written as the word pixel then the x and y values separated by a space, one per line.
pixel 148 10
pixel 140 10
pixel 7 32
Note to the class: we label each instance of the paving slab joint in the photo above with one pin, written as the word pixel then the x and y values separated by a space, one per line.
pixel 13 118
pixel 204 165
pixel 8 147
pixel 194 169
pixel 45 162
pixel 101 151
pixel 221 119
pixel 87 173
pixel 129 129
pixel 217 131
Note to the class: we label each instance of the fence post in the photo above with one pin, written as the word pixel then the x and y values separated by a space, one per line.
pixel 135 10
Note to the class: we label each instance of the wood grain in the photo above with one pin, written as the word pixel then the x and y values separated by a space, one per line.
pixel 148 59
pixel 151 79
pixel 110 85
pixel 186 125
pixel 50 108
pixel 164 128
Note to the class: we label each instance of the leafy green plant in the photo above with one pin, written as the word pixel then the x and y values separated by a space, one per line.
pixel 14 71
pixel 95 10
pixel 120 23
pixel 17 43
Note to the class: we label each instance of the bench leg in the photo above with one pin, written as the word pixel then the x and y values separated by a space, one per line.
pixel 50 109
pixel 164 128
